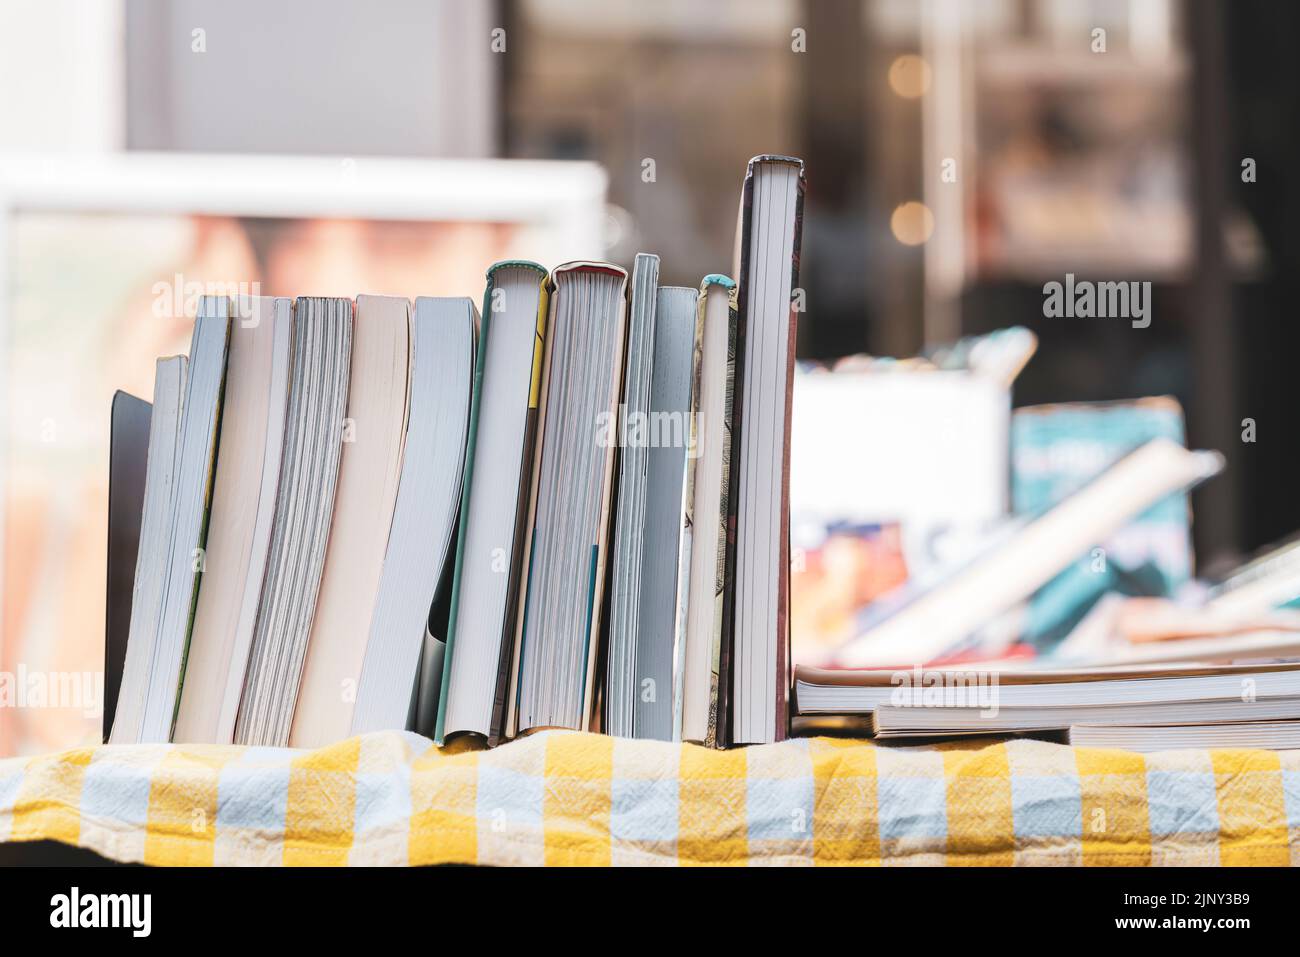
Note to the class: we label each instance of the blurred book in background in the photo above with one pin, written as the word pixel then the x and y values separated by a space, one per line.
pixel 898 468
pixel 1055 450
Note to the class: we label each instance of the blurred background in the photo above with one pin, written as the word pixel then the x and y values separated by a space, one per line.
pixel 959 156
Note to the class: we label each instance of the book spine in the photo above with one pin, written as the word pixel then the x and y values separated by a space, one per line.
pixel 717 706
pixel 686 542
pixel 629 520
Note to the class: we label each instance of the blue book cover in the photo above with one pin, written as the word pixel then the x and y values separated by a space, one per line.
pixel 1055 449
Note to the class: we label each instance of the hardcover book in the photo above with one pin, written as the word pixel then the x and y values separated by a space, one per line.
pixel 713 400
pixel 569 508
pixel 485 591
pixel 630 518
pixel 127 457
pixel 756 653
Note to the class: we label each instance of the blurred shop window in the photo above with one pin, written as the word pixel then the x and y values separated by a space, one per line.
pixel 694 88
pixel 333 77
pixel 1080 133
pixel 61 67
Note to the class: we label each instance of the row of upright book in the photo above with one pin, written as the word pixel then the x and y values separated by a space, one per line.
pixel 568 511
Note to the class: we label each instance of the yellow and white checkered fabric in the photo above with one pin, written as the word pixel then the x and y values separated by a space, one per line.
pixel 567 798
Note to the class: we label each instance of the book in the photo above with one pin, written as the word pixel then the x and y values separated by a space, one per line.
pixel 692 324
pixel 630 517
pixel 888 721
pixel 239 531
pixel 167 615
pixel 955 701
pixel 415 564
pixel 370 463
pixel 1055 449
pixel 665 565
pixel 268 498
pixel 506 396
pixel 127 458
pixel 715 391
pixel 1267 735
pixel 863 690
pixel 161 475
pixel 1026 556
pixel 650 579
pixel 190 509
pixel 757 652
pixel 313 444
pixel 569 505
pixel 570 512
pixel 1120 630
pixel 1269 580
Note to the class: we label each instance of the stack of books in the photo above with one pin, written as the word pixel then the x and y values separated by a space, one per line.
pixel 1253 705
pixel 1142 673
pixel 567 511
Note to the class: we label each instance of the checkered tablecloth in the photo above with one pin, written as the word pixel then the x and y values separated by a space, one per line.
pixel 567 798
